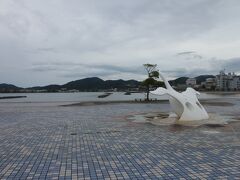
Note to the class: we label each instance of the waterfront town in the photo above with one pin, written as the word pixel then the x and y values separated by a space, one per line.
pixel 221 82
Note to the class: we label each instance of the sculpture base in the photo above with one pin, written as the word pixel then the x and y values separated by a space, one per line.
pixel 164 119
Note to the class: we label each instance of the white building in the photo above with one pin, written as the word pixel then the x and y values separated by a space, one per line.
pixel 234 83
pixel 210 84
pixel 191 82
pixel 227 82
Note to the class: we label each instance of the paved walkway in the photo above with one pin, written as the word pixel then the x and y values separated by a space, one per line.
pixel 97 142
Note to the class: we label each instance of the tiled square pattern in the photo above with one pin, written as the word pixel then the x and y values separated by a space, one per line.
pixel 97 142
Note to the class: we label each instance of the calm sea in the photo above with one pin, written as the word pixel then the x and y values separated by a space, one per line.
pixel 83 97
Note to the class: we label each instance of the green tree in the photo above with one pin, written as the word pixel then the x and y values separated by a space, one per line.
pixel 151 80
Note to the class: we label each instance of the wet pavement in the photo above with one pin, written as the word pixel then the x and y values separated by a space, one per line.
pixel 99 142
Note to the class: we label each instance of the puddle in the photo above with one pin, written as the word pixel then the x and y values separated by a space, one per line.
pixel 210 132
pixel 164 119
pixel 214 125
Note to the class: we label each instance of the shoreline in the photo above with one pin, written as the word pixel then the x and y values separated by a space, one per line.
pixel 12 97
pixel 209 102
pixel 221 92
pixel 207 92
pixel 93 103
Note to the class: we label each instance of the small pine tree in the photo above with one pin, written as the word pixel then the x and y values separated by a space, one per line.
pixel 153 75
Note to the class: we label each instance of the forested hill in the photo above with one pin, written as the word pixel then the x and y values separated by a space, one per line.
pixel 94 84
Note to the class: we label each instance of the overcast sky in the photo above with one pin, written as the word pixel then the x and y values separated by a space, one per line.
pixel 56 41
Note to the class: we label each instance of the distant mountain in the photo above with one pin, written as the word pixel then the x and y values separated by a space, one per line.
pixel 181 80
pixel 203 78
pixel 95 84
pixel 50 88
pixel 8 87
pixel 92 84
pixel 121 84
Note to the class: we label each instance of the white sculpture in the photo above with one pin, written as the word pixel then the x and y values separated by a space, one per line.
pixel 185 104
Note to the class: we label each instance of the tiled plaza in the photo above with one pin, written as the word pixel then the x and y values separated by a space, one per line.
pixel 98 142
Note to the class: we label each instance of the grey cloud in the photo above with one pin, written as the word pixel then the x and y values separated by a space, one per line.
pixel 197 56
pixel 95 73
pixel 46 49
pixel 190 55
pixel 189 73
pixel 79 69
pixel 129 69
pixel 230 65
pixel 115 37
pixel 44 68
pixel 186 52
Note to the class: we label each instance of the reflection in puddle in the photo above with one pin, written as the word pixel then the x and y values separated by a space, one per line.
pixel 210 132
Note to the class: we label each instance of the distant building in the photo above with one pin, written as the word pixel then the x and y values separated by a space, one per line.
pixel 191 82
pixel 234 83
pixel 73 90
pixel 222 79
pixel 227 82
pixel 210 84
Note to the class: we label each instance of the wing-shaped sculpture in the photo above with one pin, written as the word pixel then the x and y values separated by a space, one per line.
pixel 185 104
